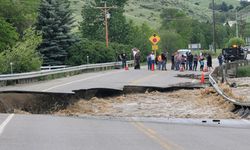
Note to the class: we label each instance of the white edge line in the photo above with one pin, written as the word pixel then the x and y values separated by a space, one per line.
pixel 6 121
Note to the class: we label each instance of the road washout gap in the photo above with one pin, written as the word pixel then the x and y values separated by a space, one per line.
pixel 198 103
pixel 180 101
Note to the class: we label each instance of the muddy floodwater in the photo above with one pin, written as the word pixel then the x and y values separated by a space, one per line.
pixel 201 103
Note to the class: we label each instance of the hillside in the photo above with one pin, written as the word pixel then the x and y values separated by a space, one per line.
pixel 245 14
pixel 148 11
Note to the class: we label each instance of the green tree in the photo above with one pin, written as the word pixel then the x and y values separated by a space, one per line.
pixel 224 6
pixel 235 41
pixel 55 20
pixel 221 36
pixel 197 34
pixel 92 26
pixel 21 14
pixel 140 36
pixel 23 55
pixel 8 35
pixel 171 40
pixel 206 29
pixel 246 31
pixel 177 21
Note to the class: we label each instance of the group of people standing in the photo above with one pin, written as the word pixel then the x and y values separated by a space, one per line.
pixel 179 61
pixel 190 62
pixel 160 61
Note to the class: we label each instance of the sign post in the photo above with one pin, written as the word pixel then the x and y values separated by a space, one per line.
pixel 154 39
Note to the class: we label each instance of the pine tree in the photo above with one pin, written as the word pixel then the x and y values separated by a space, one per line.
pixel 55 20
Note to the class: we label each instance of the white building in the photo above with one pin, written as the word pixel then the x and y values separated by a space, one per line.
pixel 230 23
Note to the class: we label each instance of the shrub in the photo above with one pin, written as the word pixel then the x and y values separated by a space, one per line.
pixel 243 71
pixel 96 52
pixel 23 55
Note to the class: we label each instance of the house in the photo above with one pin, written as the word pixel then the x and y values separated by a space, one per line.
pixel 230 23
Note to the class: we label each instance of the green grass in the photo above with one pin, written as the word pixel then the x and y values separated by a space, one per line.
pixel 243 71
pixel 148 11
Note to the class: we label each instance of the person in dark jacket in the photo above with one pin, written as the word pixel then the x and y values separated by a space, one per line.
pixel 164 61
pixel 209 62
pixel 137 60
pixel 190 61
pixel 172 61
pixel 124 60
pixel 149 61
pixel 195 62
pixel 220 59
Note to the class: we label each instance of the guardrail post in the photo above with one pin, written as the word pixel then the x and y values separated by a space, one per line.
pixel 236 69
pixel 223 73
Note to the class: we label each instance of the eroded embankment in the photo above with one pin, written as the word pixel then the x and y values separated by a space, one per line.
pixel 133 101
pixel 33 102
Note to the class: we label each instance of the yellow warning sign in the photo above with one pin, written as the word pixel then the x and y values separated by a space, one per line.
pixel 154 39
pixel 155 47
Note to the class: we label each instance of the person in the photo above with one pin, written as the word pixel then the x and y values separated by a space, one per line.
pixel 220 59
pixel 159 62
pixel 187 60
pixel 124 60
pixel 149 61
pixel 201 58
pixel 137 60
pixel 183 61
pixel 152 60
pixel 201 64
pixel 209 62
pixel 172 61
pixel 177 61
pixel 134 51
pixel 195 62
pixel 164 61
pixel 190 61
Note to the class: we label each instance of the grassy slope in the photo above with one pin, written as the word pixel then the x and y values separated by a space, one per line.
pixel 246 13
pixel 148 11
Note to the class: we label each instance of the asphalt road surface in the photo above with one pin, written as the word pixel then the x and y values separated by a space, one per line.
pixel 38 132
pixel 115 79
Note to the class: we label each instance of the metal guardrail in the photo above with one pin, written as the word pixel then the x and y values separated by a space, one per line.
pixel 52 67
pixel 30 75
pixel 220 91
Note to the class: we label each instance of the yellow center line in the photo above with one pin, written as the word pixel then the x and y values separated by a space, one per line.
pixel 156 137
pixel 143 79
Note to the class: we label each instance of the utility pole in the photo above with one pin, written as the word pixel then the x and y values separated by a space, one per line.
pixel 105 10
pixel 214 47
pixel 237 27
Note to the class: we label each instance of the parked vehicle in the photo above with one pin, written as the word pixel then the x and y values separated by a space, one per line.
pixel 184 51
pixel 233 54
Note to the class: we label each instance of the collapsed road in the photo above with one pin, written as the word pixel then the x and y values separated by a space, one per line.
pixel 135 117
